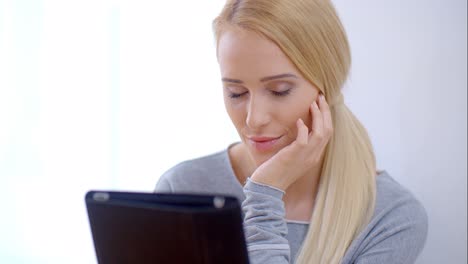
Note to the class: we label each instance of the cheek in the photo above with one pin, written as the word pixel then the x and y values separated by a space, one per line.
pixel 292 114
pixel 236 114
pixel 307 117
pixel 302 108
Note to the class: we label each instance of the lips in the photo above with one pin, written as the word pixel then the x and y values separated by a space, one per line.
pixel 262 143
pixel 262 139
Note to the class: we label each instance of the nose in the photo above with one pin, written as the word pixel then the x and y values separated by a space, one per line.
pixel 257 113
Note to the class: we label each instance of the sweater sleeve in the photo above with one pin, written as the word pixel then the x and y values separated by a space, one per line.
pixel 164 185
pixel 264 224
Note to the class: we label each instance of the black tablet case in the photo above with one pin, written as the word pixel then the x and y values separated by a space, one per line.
pixel 165 228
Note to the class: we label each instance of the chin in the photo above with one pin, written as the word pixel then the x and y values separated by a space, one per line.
pixel 260 158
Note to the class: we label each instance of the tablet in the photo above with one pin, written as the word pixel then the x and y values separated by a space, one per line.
pixel 165 228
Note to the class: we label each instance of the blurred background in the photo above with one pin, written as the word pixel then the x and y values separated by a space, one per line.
pixel 109 94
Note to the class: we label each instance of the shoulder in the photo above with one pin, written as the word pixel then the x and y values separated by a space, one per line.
pixel 398 229
pixel 195 174
pixel 394 201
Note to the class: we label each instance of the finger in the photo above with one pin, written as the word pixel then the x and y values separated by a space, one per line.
pixel 326 115
pixel 302 132
pixel 317 123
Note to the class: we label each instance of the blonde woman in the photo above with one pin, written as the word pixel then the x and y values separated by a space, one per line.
pixel 305 169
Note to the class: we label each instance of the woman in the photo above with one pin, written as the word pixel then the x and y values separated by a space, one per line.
pixel 304 169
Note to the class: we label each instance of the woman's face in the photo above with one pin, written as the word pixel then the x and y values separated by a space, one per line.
pixel 264 93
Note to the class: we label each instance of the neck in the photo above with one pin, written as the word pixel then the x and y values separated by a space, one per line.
pixel 304 189
pixel 299 198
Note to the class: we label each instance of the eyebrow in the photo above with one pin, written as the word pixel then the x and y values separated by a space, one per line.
pixel 264 79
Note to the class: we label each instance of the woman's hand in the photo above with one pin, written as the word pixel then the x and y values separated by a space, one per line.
pixel 303 154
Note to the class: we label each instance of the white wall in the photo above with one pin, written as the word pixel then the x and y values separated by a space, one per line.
pixel 109 94
pixel 409 87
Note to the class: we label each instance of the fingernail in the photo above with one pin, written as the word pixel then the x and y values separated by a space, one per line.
pixel 315 104
pixel 321 96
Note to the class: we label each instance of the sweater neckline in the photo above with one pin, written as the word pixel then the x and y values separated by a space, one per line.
pixel 232 175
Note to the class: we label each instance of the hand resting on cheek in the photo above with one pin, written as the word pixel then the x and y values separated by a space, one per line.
pixel 305 153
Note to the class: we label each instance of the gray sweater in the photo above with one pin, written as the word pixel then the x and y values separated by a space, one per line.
pixel 396 233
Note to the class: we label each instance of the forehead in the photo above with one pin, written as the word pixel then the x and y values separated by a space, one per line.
pixel 246 54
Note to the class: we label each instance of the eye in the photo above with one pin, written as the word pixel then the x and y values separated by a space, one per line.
pixel 235 91
pixel 282 93
pixel 280 88
pixel 236 95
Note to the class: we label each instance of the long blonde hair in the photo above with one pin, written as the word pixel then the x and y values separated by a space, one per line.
pixel 310 33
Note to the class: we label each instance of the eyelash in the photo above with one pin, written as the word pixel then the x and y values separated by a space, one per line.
pixel 279 94
pixel 283 93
